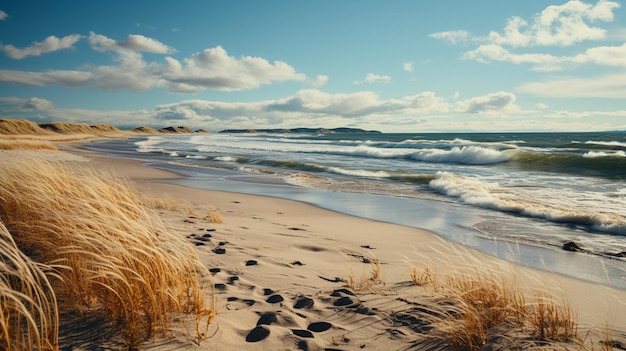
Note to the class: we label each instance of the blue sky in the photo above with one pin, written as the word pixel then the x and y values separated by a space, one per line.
pixel 394 66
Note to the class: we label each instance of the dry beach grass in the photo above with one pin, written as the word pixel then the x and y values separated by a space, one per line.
pixel 109 253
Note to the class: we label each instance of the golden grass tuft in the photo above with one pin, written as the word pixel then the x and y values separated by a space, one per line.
pixel 26 145
pixel 369 279
pixel 475 305
pixel 114 255
pixel 28 311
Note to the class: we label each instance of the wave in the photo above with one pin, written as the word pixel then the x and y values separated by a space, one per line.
pixel 471 155
pixel 491 196
pixel 359 172
pixel 598 164
pixel 607 143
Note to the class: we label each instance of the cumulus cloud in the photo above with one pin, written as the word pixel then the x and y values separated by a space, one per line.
pixel 210 69
pixel 562 25
pixel 408 66
pixel 3 15
pixel 491 103
pixel 49 44
pixel 306 107
pixel 213 68
pixel 372 78
pixel 133 42
pixel 608 86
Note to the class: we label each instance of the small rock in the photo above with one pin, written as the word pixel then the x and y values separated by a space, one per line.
pixel 251 263
pixel 572 246
pixel 220 250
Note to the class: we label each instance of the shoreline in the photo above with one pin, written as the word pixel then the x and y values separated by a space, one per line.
pixel 304 249
pixel 455 222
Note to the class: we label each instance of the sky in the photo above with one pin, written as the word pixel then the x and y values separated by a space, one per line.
pixel 393 66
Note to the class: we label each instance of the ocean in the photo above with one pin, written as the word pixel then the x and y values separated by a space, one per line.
pixel 519 196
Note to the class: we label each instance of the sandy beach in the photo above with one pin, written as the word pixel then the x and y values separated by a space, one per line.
pixel 278 274
pixel 288 275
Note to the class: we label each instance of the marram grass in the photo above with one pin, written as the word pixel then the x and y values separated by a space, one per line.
pixel 110 252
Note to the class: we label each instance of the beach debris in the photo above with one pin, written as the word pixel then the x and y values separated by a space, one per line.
pixel 251 262
pixel 572 246
pixel 297 263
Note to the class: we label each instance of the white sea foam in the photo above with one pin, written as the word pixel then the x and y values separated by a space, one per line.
pixel 359 172
pixel 149 145
pixel 225 159
pixel 595 154
pixel 606 143
pixel 492 196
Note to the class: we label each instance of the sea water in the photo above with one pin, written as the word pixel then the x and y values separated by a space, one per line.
pixel 508 194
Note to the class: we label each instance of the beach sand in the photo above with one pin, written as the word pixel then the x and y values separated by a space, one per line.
pixel 288 275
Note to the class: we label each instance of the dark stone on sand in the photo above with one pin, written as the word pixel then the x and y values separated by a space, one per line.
pixel 220 286
pixel 219 250
pixel 257 334
pixel 214 270
pixel 275 299
pixel 268 291
pixel 620 254
pixel 199 243
pixel 341 292
pixel 302 333
pixel 319 327
pixel 343 301
pixel 233 279
pixel 251 263
pixel 207 235
pixel 572 246
pixel 267 319
pixel 304 302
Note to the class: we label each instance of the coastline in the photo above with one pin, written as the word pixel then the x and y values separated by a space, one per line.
pixel 301 250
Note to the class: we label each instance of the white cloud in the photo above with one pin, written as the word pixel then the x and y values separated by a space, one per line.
pixel 541 106
pixel 562 25
pixel 210 69
pixel 319 81
pixel 215 69
pixel 609 86
pixel 491 103
pixel 40 79
pixel 408 66
pixel 3 15
pixel 305 108
pixel 372 78
pixel 452 37
pixel 49 44
pixel 133 42
pixel 35 103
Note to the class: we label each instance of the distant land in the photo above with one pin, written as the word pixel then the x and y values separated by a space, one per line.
pixel 302 130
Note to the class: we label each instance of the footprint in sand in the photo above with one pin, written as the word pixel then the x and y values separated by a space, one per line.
pixel 319 327
pixel 304 302
pixel 275 299
pixel 257 334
